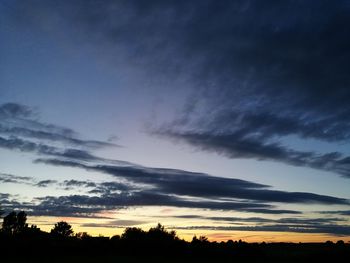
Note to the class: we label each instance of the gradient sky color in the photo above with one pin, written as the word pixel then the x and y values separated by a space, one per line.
pixel 229 119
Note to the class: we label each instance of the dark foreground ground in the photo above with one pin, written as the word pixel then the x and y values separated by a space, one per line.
pixel 100 249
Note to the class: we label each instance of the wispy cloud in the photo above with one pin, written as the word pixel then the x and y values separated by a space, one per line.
pixel 337 212
pixel 115 224
pixel 335 226
pixel 20 122
pixel 138 185
pixel 338 230
pixel 248 144
pixel 46 183
pixel 256 74
pixel 260 220
pixel 10 178
pixel 180 182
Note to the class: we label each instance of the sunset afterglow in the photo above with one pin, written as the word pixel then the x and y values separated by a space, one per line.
pixel 224 119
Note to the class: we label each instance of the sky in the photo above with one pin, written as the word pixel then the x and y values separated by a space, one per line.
pixel 229 119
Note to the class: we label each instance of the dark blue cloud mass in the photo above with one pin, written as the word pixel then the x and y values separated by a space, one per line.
pixel 19 121
pixel 258 71
pixel 137 185
pixel 244 144
pixel 199 185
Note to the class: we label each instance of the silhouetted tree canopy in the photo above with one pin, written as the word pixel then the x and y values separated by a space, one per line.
pixel 159 233
pixel 82 235
pixel 133 233
pixel 62 229
pixel 155 245
pixel 15 223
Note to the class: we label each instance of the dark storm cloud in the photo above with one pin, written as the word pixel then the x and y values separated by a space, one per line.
pixel 20 121
pixel 184 183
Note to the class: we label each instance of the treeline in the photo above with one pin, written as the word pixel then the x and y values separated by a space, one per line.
pixel 156 243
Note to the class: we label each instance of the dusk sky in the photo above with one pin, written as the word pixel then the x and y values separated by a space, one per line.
pixel 229 119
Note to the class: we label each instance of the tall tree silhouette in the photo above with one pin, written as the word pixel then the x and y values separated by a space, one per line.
pixel 21 222
pixel 15 223
pixel 133 234
pixel 62 229
pixel 159 233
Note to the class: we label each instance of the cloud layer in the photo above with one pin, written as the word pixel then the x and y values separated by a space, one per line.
pixel 258 73
pixel 261 79
pixel 134 185
pixel 19 121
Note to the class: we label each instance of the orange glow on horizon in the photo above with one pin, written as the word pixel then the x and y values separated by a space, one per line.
pixel 46 224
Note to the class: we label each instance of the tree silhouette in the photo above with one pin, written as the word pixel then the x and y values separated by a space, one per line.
pixel 21 222
pixel 9 223
pixel 82 235
pixel 62 229
pixel 133 233
pixel 20 243
pixel 14 223
pixel 203 239
pixel 161 234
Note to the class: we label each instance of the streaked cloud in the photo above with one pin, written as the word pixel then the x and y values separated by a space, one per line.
pixel 115 224
pixel 247 144
pixel 19 121
pixel 338 230
pixel 180 182
pixel 239 79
